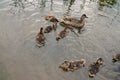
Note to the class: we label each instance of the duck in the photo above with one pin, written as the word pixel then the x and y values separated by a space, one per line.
pixel 62 34
pixel 94 67
pixel 75 65
pixel 51 19
pixel 78 24
pixel 48 29
pixel 72 65
pixel 65 66
pixel 40 38
pixel 116 58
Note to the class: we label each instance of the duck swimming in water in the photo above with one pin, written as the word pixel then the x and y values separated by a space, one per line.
pixel 40 38
pixel 79 24
pixel 75 65
pixel 48 29
pixel 72 65
pixel 62 34
pixel 51 19
pixel 94 67
pixel 116 58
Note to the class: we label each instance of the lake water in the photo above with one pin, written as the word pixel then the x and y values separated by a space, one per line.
pixel 20 21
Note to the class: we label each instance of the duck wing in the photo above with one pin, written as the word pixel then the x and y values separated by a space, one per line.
pixel 73 22
pixel 48 29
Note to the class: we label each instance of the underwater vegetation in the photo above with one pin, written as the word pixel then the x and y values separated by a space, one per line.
pixel 107 2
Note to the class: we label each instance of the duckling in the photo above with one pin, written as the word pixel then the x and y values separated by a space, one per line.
pixel 94 67
pixel 99 61
pixel 72 65
pixel 75 65
pixel 65 66
pixel 48 29
pixel 79 24
pixel 40 38
pixel 62 34
pixel 116 58
pixel 51 19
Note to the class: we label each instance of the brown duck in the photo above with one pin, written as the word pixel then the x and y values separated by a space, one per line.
pixel 79 24
pixel 72 65
pixel 48 29
pixel 40 38
pixel 94 67
pixel 116 58
pixel 51 19
pixel 62 34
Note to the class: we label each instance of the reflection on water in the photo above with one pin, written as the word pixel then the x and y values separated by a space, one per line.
pixel 69 6
pixel 20 59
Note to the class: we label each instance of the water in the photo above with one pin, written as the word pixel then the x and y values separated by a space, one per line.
pixel 20 59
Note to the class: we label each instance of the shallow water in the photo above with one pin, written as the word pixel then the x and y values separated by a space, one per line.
pixel 20 59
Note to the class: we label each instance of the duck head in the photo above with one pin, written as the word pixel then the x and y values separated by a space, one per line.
pixel 41 30
pixel 83 61
pixel 58 38
pixel 116 58
pixel 83 17
pixel 99 61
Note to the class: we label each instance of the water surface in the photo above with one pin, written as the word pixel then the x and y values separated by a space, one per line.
pixel 20 59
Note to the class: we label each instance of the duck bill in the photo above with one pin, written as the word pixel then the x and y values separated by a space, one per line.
pixel 86 17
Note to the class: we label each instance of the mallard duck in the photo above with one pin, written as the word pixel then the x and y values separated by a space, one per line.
pixel 99 61
pixel 116 58
pixel 40 38
pixel 51 19
pixel 65 66
pixel 72 65
pixel 79 24
pixel 62 34
pixel 75 65
pixel 48 29
pixel 94 67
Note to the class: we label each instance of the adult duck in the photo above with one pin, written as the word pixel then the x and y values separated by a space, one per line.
pixel 116 58
pixel 94 67
pixel 40 38
pixel 62 34
pixel 51 19
pixel 48 29
pixel 79 24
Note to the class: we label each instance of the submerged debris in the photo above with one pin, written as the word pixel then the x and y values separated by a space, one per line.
pixel 107 2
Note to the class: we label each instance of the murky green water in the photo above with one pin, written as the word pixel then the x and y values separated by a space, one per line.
pixel 20 59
